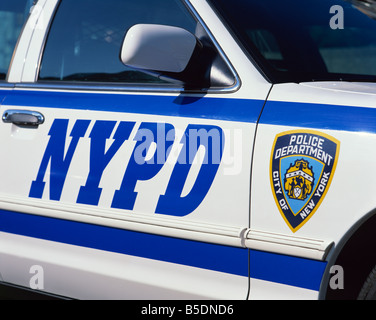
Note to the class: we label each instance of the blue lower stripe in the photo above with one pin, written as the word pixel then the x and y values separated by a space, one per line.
pixel 287 270
pixel 191 253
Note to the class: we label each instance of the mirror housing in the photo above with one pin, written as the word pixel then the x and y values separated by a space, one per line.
pixel 165 51
pixel 176 55
pixel 158 48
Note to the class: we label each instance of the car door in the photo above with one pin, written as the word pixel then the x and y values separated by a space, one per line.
pixel 118 183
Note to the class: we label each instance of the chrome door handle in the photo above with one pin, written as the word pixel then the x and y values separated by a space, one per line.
pixel 23 117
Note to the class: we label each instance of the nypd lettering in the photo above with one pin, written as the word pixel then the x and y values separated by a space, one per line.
pixel 150 148
pixel 302 166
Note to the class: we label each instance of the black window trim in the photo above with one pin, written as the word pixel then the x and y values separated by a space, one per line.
pixel 255 59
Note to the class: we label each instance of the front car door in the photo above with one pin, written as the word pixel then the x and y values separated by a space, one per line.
pixel 119 184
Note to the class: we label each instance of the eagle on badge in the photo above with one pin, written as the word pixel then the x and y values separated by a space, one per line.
pixel 299 180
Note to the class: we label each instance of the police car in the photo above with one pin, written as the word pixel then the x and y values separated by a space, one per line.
pixel 198 149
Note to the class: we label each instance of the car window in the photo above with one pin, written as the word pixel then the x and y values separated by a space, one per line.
pixel 12 17
pixel 295 41
pixel 356 44
pixel 86 36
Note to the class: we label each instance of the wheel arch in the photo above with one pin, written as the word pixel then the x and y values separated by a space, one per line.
pixel 356 254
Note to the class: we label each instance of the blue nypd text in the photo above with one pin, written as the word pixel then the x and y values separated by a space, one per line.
pixel 151 147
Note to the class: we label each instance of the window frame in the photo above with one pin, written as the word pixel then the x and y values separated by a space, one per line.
pixel 130 87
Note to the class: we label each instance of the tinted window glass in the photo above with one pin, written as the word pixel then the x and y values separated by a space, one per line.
pixel 12 17
pixel 302 40
pixel 86 36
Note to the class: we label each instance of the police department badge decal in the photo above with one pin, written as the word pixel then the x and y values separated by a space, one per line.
pixel 302 166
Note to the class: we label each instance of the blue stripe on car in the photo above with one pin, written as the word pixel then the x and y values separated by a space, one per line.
pixel 283 269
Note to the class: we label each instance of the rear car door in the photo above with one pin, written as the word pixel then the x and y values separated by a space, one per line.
pixel 120 183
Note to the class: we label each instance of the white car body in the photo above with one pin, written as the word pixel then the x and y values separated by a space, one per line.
pixel 104 250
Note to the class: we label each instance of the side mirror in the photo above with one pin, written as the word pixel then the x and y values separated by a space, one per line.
pixel 166 51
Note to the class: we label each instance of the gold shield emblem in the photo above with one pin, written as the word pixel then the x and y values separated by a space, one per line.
pixel 299 180
pixel 302 166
